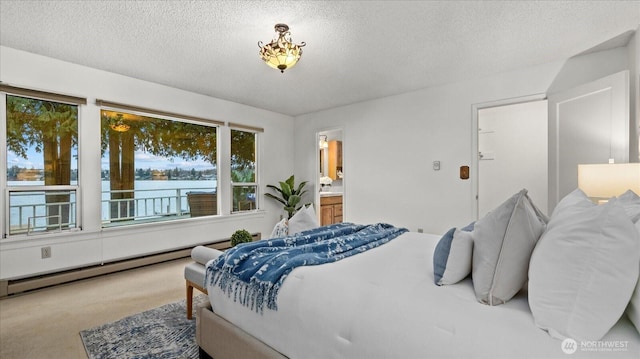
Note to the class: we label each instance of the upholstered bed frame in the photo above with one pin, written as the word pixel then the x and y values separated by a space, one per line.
pixel 220 339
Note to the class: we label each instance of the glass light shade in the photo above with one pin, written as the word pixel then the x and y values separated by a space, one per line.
pixel 117 121
pixel 609 180
pixel 281 53
pixel 281 58
pixel 120 127
pixel 323 142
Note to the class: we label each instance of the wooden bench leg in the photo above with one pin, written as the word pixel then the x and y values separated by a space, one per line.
pixel 189 300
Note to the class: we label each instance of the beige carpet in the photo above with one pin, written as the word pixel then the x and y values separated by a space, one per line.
pixel 46 323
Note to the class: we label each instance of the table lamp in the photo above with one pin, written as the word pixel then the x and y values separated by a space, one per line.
pixel 603 181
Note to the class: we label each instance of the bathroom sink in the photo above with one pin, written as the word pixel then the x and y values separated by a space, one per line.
pixel 330 193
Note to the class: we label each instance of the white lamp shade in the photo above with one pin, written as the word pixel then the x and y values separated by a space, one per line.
pixel 609 180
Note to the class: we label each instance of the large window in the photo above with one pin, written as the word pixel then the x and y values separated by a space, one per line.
pixel 156 169
pixel 42 165
pixel 244 183
pixel 155 165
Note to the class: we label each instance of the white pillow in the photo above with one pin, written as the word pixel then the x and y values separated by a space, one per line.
pixel 452 256
pixel 281 229
pixel 584 269
pixel 502 244
pixel 630 201
pixel 633 310
pixel 575 198
pixel 303 220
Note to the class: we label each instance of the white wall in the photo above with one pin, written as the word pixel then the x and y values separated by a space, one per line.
pixel 590 67
pixel 20 258
pixel 390 144
pixel 395 182
pixel 578 72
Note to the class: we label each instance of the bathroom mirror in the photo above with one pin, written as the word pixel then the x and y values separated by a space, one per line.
pixel 330 180
pixel 330 155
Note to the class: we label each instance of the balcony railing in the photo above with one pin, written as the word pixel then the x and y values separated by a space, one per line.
pixel 37 209
pixel 145 205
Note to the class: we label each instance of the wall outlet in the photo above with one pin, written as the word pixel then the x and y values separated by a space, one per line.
pixel 436 165
pixel 46 252
pixel 420 230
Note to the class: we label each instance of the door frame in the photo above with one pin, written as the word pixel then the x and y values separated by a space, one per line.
pixel 619 94
pixel 316 197
pixel 475 181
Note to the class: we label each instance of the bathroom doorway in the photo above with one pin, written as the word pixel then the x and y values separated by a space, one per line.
pixel 330 194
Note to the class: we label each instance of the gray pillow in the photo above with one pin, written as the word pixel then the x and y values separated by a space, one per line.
pixel 503 241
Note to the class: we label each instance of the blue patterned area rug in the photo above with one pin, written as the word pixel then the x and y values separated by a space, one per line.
pixel 163 332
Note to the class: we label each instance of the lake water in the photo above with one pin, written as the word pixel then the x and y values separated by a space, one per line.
pixel 166 190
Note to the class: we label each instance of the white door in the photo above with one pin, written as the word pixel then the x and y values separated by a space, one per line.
pixel 512 154
pixel 587 124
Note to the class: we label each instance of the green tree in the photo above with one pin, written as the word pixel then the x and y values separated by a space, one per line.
pixel 159 137
pixel 52 129
pixel 243 153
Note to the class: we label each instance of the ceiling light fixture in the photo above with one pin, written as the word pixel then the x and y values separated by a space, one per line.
pixel 281 53
pixel 119 125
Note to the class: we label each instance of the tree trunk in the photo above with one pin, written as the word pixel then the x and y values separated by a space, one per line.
pixel 121 174
pixel 57 171
pixel 128 170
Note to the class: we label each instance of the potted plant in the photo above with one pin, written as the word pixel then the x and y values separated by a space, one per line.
pixel 289 195
pixel 240 236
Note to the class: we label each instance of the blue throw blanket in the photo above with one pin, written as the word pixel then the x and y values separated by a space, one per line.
pixel 254 272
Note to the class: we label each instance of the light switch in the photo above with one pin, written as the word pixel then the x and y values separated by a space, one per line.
pixel 436 165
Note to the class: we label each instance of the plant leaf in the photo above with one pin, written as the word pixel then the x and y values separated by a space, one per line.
pixel 276 198
pixel 294 200
pixel 300 186
pixel 291 181
pixel 286 190
pixel 274 187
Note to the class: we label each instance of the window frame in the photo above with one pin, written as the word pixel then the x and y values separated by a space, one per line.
pixel 80 208
pixel 257 131
pixel 8 90
pixel 104 105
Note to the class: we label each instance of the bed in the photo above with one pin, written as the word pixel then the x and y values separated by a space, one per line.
pixel 383 303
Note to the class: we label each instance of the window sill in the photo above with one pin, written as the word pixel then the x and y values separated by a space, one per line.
pixel 80 234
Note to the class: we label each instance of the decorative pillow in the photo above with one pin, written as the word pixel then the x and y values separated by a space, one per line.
pixel 452 256
pixel 575 198
pixel 630 201
pixel 303 220
pixel 633 310
pixel 281 229
pixel 441 255
pixel 502 244
pixel 584 269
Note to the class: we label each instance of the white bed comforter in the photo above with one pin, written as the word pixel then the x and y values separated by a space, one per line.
pixel 383 304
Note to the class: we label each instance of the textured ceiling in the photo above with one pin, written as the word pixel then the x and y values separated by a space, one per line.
pixel 356 50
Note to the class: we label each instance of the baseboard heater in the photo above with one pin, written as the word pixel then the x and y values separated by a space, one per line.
pixel 10 287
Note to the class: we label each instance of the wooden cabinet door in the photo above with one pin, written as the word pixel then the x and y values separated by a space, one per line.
pixel 326 215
